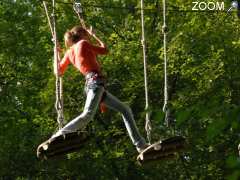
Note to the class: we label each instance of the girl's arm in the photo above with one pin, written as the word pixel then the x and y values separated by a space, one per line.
pixel 101 44
pixel 102 48
pixel 58 71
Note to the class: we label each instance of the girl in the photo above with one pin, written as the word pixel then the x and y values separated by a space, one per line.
pixel 83 55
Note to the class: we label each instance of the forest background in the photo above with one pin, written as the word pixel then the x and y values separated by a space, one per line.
pixel 204 80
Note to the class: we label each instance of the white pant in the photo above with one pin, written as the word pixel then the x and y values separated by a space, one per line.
pixel 94 93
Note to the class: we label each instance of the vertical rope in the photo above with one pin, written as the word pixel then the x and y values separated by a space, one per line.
pixel 169 118
pixel 77 7
pixel 48 18
pixel 148 127
pixel 164 30
pixel 59 94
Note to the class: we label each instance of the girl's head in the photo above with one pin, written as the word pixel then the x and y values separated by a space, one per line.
pixel 74 35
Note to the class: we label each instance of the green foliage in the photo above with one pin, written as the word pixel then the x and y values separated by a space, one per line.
pixel 204 81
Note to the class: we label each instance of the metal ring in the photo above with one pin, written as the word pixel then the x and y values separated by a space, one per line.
pixel 77 7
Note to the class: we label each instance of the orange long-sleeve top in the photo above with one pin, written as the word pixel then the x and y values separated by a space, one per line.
pixel 83 55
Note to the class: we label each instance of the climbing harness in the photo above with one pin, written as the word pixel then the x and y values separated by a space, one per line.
pixel 148 126
pixel 77 7
pixel 59 90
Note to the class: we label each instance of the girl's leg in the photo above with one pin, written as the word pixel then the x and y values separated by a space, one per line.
pixel 92 102
pixel 114 103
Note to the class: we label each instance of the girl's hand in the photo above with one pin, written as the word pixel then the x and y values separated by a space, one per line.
pixel 90 31
pixel 59 49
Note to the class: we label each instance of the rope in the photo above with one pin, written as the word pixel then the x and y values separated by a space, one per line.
pixel 164 30
pixel 59 92
pixel 148 127
pixel 77 7
pixel 48 18
pixel 59 102
pixel 169 118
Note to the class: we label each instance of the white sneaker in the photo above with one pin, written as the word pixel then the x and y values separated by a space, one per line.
pixel 142 148
pixel 58 133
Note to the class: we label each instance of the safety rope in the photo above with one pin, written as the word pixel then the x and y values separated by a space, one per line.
pixel 148 126
pixel 48 18
pixel 77 7
pixel 164 30
pixel 59 91
pixel 169 117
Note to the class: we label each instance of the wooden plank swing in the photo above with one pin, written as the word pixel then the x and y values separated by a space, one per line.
pixel 61 145
pixel 166 149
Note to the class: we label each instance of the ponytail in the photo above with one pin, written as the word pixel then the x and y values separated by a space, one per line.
pixel 75 34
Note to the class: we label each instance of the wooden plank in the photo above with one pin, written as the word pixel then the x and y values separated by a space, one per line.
pixel 162 149
pixel 61 145
pixel 153 161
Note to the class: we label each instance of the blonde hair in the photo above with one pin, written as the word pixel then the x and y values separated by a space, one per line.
pixel 75 34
